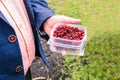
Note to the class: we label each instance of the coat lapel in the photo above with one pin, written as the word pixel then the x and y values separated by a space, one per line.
pixel 30 11
pixel 36 35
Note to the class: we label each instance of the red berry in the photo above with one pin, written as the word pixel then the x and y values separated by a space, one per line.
pixel 68 32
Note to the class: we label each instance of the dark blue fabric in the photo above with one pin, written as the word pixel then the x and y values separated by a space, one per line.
pixel 10 55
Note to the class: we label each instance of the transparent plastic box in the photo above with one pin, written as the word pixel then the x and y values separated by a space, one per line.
pixel 71 47
pixel 67 50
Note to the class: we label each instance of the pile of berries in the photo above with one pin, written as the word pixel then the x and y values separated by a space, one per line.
pixel 68 32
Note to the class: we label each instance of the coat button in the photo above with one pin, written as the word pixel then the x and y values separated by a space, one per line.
pixel 18 68
pixel 12 38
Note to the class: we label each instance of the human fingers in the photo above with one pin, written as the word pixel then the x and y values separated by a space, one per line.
pixel 64 53
pixel 70 20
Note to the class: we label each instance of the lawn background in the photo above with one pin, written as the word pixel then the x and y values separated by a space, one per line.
pixel 102 51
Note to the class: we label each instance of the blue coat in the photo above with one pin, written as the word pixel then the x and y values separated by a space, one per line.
pixel 11 66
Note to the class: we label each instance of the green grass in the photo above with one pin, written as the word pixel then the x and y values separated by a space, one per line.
pixel 101 60
pixel 102 51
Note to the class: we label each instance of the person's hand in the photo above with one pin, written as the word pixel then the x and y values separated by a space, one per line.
pixel 50 22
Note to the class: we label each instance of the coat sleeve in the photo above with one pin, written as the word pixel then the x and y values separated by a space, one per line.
pixel 41 12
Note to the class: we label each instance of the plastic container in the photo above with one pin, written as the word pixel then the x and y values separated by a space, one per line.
pixel 70 47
